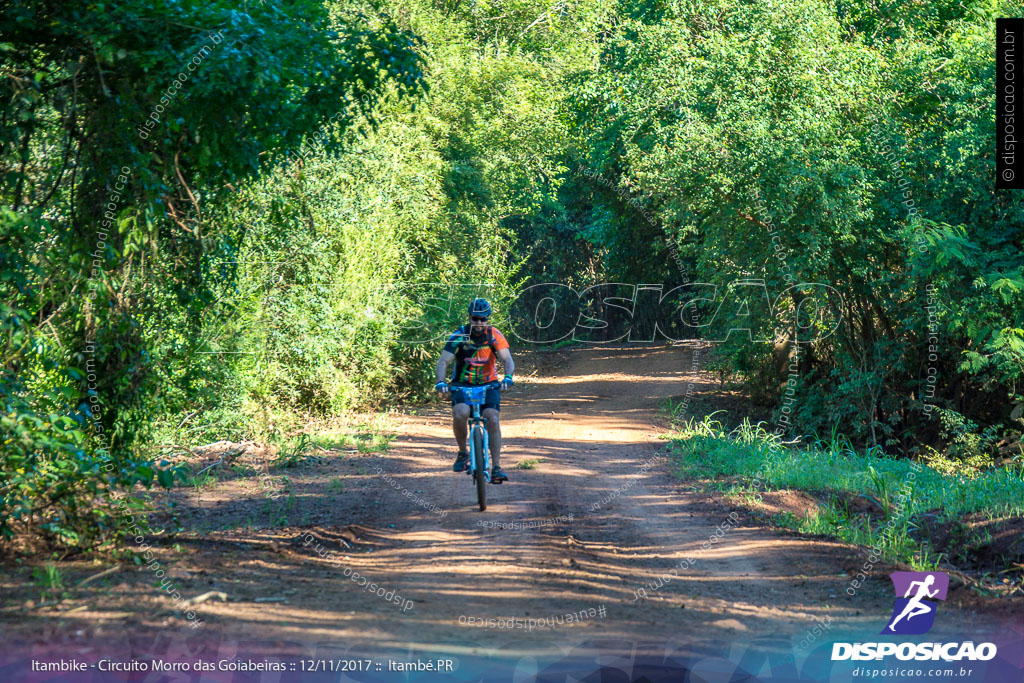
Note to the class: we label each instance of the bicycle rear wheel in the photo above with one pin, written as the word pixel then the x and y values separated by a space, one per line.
pixel 478 463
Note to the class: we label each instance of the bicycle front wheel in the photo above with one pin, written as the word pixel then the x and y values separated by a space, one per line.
pixel 480 473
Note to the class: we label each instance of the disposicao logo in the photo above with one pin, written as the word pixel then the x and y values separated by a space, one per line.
pixel 913 614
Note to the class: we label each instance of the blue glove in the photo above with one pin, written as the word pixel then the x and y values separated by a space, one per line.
pixel 442 387
pixel 507 383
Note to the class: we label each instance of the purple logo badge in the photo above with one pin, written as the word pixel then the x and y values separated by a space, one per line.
pixel 914 612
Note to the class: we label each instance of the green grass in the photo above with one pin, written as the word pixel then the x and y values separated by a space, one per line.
pixel 529 464
pixel 49 580
pixel 756 460
pixel 366 437
pixel 294 451
pixel 199 481
pixel 562 343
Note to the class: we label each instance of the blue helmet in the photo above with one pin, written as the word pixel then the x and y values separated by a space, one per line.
pixel 480 308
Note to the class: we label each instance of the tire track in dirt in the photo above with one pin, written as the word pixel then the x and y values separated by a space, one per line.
pixel 594 422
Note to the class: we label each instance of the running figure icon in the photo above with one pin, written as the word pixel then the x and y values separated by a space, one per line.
pixel 915 607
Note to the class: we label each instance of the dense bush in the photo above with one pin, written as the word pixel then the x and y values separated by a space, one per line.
pixel 120 128
pixel 225 254
pixel 805 139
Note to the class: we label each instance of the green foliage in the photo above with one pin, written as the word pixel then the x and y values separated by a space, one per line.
pixel 800 142
pixel 111 267
pixel 49 580
pixel 294 452
pixel 57 472
pixel 290 228
pixel 365 437
pixel 968 448
pixel 707 450
pixel 759 462
pixel 345 248
pixel 198 481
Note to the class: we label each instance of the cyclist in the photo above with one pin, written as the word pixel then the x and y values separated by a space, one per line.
pixel 474 347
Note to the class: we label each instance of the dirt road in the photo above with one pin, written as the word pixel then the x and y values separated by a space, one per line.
pixel 414 530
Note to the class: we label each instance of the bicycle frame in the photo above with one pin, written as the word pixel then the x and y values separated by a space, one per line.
pixel 475 398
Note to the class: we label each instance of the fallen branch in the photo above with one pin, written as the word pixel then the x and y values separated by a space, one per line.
pixel 199 213
pixel 187 418
pixel 103 573
pixel 210 466
pixel 206 596
pixel 227 454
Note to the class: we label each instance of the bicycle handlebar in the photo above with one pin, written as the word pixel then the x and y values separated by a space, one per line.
pixel 496 384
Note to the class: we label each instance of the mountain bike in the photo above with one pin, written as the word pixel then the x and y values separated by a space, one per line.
pixel 479 465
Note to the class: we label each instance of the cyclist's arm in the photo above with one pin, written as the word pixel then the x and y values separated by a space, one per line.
pixel 442 365
pixel 506 361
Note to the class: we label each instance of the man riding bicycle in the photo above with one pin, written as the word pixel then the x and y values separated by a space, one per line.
pixel 474 347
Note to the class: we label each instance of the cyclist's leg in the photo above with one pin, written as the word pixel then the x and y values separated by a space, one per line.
pixel 493 434
pixel 460 424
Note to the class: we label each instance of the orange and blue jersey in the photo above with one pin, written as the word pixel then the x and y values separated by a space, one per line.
pixel 475 356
